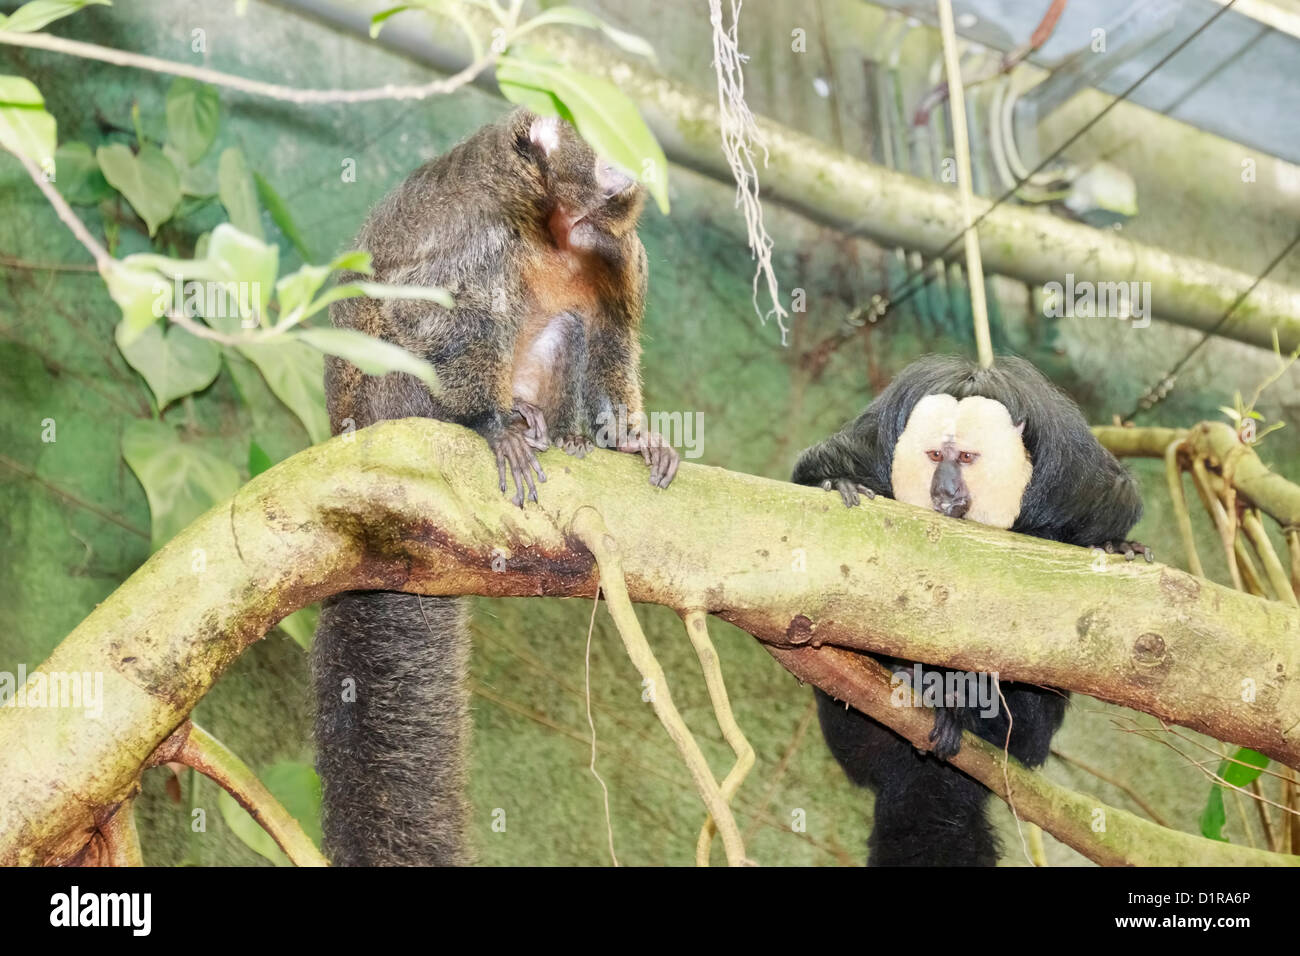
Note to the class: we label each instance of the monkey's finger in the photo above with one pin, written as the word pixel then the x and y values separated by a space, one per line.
pixel 674 460
pixel 501 467
pixel 863 489
pixel 827 485
pixel 848 493
pixel 656 465
pixel 514 454
pixel 528 476
pixel 530 461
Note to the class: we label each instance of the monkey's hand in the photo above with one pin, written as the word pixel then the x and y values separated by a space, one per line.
pixel 536 434
pixel 848 489
pixel 658 454
pixel 946 735
pixel 512 446
pixel 575 444
pixel 1130 549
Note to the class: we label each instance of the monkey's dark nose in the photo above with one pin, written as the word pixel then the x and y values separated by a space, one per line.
pixel 948 493
pixel 611 179
pixel 953 507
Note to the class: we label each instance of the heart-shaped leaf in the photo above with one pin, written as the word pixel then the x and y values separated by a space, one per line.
pixel 148 180
pixel 180 480
pixel 174 362
pixel 193 115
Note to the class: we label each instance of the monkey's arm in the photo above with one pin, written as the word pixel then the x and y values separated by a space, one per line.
pixel 845 463
pixel 613 394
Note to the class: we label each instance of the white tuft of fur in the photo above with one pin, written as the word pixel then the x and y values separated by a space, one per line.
pixel 545 133
pixel 997 478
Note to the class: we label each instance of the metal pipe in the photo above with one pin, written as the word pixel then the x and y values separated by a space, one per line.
pixel 891 208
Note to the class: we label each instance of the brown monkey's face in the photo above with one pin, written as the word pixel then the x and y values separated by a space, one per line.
pixel 589 193
pixel 964 459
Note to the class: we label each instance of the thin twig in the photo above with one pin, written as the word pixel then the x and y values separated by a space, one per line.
pixel 276 91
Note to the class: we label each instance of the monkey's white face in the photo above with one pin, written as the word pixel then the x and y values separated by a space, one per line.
pixel 963 458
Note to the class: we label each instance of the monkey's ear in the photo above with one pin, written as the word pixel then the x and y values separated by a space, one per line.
pixel 544 134
pixel 1020 429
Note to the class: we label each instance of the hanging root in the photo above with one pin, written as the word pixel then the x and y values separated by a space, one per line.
pixel 591 531
pixel 1174 476
pixel 697 629
pixel 1037 852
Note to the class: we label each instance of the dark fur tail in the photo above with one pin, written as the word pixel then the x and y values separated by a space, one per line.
pixel 392 724
pixel 928 813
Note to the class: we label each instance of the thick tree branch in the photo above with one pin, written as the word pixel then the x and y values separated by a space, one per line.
pixel 414 506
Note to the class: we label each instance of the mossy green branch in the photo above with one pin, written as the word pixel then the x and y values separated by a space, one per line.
pixel 414 506
pixel 1219 444
pixel 1105 834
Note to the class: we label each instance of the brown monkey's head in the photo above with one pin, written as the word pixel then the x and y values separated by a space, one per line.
pixel 963 458
pixel 585 193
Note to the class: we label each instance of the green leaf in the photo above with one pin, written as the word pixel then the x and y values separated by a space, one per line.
pixel 1239 774
pixel 140 292
pixel 297 788
pixel 379 19
pixel 238 194
pixel 77 175
pixel 180 480
pixel 294 292
pixel 1213 816
pixel 1245 767
pixel 30 17
pixel 239 257
pixel 148 180
pixel 301 625
pixel 26 129
pixel 1230 412
pixel 604 116
pixel 258 460
pixel 193 115
pixel 173 361
pixel 195 180
pixel 572 16
pixel 373 356
pixel 295 372
pixel 280 215
pixel 378 290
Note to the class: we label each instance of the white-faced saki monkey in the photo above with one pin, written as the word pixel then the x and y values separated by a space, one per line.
pixel 1004 447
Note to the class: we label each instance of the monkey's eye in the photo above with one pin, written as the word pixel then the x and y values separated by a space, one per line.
pixel 967 457
pixel 935 455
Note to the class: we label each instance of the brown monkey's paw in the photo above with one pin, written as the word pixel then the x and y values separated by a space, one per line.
pixel 1130 550
pixel 661 457
pixel 536 434
pixel 848 489
pixel 946 735
pixel 579 446
pixel 512 446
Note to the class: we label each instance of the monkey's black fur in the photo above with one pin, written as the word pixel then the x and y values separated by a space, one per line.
pixel 927 812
